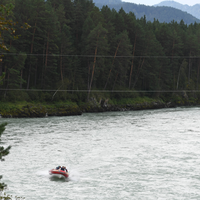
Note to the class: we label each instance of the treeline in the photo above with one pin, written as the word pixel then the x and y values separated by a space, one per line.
pixel 72 45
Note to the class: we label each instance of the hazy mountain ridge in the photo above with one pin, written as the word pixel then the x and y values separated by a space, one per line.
pixel 160 13
pixel 193 10
pixel 106 2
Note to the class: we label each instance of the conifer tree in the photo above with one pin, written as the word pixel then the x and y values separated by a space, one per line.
pixel 3 151
pixel 51 31
pixel 6 25
pixel 96 44
pixel 121 60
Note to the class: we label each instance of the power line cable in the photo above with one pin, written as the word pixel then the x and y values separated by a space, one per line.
pixel 104 56
pixel 105 91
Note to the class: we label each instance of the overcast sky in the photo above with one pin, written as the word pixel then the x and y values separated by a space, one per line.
pixel 152 2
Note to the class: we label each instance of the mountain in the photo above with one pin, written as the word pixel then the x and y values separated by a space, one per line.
pixel 107 2
pixel 160 13
pixel 193 10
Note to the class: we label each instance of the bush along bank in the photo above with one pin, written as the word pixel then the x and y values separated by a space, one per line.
pixel 38 110
pixel 29 110
pixel 106 105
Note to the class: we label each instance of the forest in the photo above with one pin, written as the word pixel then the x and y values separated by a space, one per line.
pixel 72 48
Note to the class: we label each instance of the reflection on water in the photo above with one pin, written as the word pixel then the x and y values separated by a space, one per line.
pixel 152 154
pixel 59 179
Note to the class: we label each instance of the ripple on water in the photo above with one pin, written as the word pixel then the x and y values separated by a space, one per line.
pixel 151 154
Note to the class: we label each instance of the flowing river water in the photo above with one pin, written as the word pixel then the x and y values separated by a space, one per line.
pixel 150 154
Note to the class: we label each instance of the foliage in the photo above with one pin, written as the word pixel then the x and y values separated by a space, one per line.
pixel 4 196
pixel 8 31
pixel 5 24
pixel 72 48
pixel 132 101
pixel 3 151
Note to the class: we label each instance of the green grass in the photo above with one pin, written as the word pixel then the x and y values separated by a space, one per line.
pixel 8 106
pixel 131 101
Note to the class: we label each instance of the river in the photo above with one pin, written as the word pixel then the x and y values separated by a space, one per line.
pixel 149 154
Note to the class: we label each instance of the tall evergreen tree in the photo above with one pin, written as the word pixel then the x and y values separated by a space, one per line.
pixel 137 37
pixel 96 45
pixel 50 49
pixel 192 50
pixel 121 61
pixel 33 12
pixel 3 151
pixel 176 51
pixel 80 14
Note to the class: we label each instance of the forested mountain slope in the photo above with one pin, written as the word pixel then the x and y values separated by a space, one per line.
pixel 162 14
pixel 193 10
pixel 74 47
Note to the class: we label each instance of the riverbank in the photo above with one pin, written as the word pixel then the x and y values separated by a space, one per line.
pixel 69 108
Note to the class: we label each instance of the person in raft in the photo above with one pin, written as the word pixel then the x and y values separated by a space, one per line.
pixel 63 168
pixel 59 167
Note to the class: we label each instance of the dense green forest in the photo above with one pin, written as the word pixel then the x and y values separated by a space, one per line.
pixel 73 48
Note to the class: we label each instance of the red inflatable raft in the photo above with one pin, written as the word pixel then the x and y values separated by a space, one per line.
pixel 58 173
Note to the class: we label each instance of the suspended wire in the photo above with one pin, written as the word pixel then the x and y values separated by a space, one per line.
pixel 101 56
pixel 105 91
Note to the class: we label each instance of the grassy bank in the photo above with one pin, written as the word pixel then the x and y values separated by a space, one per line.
pixel 96 103
pixel 36 109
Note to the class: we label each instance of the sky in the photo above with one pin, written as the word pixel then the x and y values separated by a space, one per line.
pixel 152 2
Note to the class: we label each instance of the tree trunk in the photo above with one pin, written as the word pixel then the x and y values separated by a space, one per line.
pixel 178 78
pixel 43 62
pixel 61 69
pixel 190 64
pixel 88 81
pixel 47 50
pixel 115 81
pixel 172 59
pixel 35 82
pixel 138 73
pixel 7 85
pixel 93 68
pixel 46 59
pixel 112 65
pixel 21 79
pixel 1 68
pixel 30 66
pixel 198 74
pixel 132 63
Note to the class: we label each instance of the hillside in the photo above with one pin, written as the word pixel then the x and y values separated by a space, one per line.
pixel 163 14
pixel 76 52
pixel 193 10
